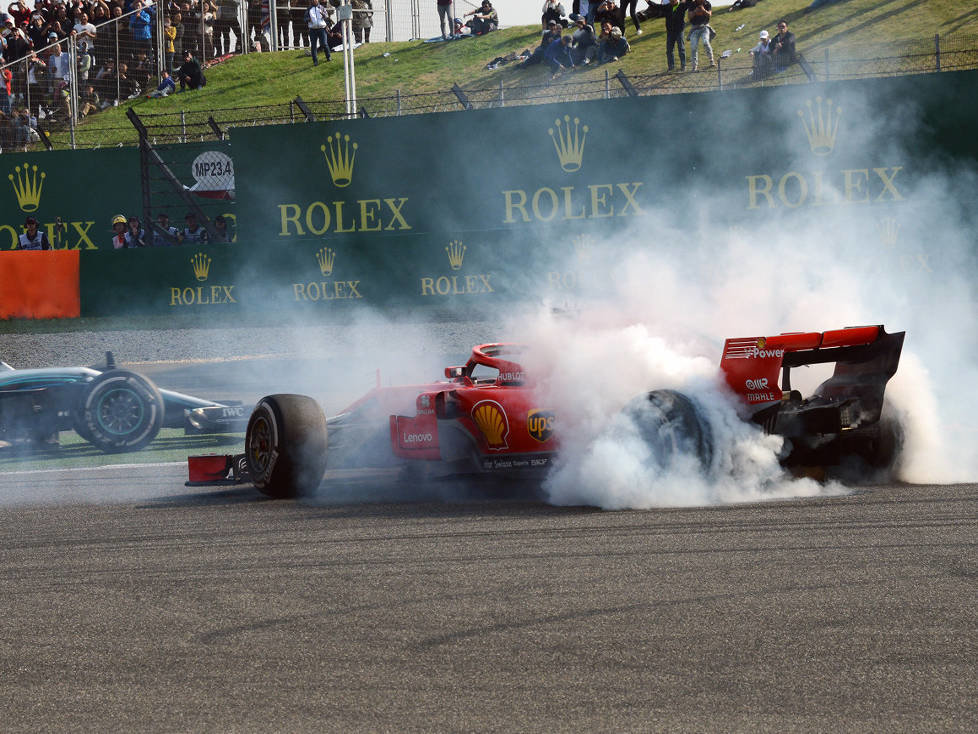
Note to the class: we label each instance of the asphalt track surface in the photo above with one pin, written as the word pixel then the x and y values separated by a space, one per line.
pixel 132 603
pixel 174 609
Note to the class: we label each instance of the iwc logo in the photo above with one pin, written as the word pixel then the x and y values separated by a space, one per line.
pixel 201 295
pixel 456 284
pixel 326 290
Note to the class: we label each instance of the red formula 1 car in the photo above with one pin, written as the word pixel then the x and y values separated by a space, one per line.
pixel 486 418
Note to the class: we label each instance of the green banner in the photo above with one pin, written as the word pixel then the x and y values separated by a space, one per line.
pixel 478 208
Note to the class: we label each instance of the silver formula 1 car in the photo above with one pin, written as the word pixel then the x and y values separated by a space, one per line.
pixel 114 409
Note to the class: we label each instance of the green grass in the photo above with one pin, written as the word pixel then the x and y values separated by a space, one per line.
pixel 74 452
pixel 855 28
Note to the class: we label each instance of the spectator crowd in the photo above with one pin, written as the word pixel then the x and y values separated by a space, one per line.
pixel 116 50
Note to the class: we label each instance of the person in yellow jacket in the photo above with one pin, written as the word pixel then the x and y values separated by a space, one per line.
pixel 169 38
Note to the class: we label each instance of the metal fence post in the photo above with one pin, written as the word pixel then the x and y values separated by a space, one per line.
pixel 826 64
pixel 937 50
pixel 118 66
pixel 502 94
pixel 183 126
pixel 607 85
pixel 72 88
pixel 398 102
pixel 720 74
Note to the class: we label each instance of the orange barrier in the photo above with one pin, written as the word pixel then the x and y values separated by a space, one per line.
pixel 39 285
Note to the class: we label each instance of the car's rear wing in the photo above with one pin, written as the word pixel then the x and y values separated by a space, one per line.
pixel 863 356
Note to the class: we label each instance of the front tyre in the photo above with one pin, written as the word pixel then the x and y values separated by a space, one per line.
pixel 285 445
pixel 120 411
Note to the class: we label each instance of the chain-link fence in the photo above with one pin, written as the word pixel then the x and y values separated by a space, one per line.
pixel 48 102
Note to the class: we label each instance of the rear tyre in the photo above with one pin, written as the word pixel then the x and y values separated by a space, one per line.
pixel 285 445
pixel 884 449
pixel 120 411
pixel 672 425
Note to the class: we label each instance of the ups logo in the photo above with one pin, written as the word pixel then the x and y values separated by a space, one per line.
pixel 540 424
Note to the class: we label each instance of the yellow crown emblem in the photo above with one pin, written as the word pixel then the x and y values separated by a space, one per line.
pixel 340 156
pixel 491 419
pixel 821 126
pixel 27 187
pixel 456 253
pixel 569 143
pixel 889 230
pixel 326 257
pixel 583 245
pixel 202 265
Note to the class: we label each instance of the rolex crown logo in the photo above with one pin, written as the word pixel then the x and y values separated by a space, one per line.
pixel 569 143
pixel 583 245
pixel 202 265
pixel 889 230
pixel 821 125
pixel 326 257
pixel 456 253
pixel 27 187
pixel 340 156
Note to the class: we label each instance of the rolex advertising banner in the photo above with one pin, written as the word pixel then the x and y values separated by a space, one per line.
pixel 473 209
pixel 323 279
pixel 72 194
pixel 75 194
pixel 612 164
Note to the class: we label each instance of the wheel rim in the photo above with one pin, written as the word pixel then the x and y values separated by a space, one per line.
pixel 260 444
pixel 120 411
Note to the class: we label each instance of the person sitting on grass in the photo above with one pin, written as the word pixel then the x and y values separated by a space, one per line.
pixel 614 47
pixel 558 54
pixel 484 19
pixel 549 36
pixel 166 86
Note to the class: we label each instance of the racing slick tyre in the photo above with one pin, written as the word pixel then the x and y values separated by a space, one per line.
pixel 672 425
pixel 884 449
pixel 285 445
pixel 120 411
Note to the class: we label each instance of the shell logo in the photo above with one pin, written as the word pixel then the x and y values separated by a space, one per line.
pixel 491 419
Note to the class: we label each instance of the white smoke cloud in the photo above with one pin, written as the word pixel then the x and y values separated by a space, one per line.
pixel 656 314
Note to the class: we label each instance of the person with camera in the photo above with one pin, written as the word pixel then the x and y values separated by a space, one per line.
pixel 609 12
pixel 553 10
